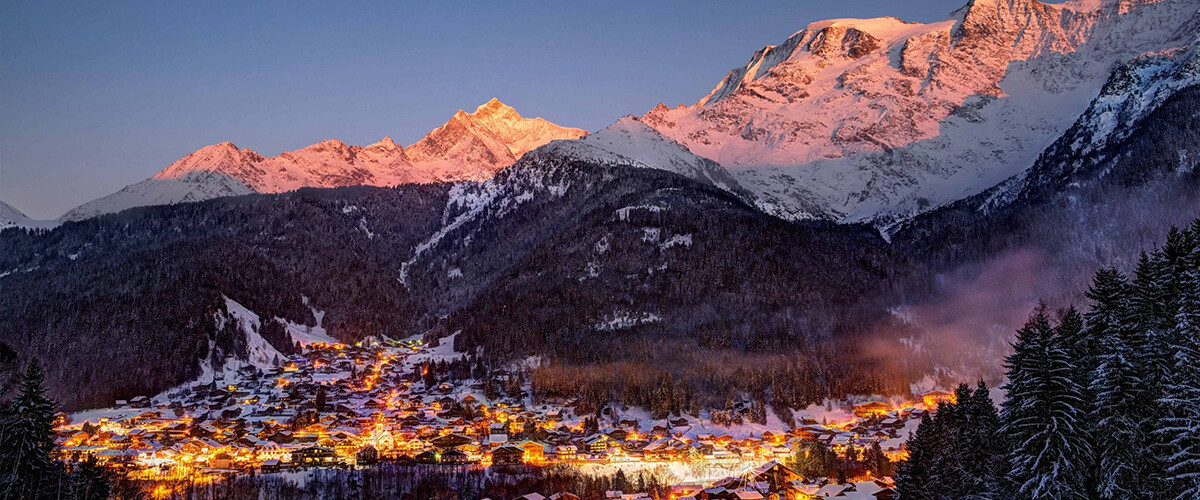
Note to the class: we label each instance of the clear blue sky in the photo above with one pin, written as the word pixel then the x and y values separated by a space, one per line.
pixel 99 94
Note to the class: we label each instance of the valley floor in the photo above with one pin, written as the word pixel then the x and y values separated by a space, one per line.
pixel 405 402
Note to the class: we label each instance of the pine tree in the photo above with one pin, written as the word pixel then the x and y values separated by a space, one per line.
pixel 620 482
pixel 1079 342
pixel 876 461
pixel 27 438
pixel 1156 303
pixel 980 443
pixel 1179 423
pixel 321 399
pixel 1042 416
pixel 1150 297
pixel 91 481
pixel 913 478
pixel 1118 388
pixel 813 460
pixel 946 469
pixel 1080 346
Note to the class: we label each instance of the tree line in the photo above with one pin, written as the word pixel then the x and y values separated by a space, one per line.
pixel 1099 404
pixel 27 469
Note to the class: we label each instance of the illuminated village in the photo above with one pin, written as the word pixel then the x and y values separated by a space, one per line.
pixel 343 406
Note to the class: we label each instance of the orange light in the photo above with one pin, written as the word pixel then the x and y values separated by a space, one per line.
pixel 160 492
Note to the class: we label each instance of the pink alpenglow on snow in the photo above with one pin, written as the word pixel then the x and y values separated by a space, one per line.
pixel 469 147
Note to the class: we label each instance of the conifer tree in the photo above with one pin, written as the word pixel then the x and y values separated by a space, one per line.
pixel 1150 298
pixel 27 438
pixel 321 399
pixel 980 444
pixel 91 481
pixel 1042 416
pixel 913 478
pixel 1118 387
pixel 949 422
pixel 1080 347
pixel 1179 423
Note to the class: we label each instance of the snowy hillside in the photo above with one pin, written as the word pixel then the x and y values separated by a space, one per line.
pixel 471 146
pixel 1132 92
pixel 545 174
pixel 629 142
pixel 11 217
pixel 879 119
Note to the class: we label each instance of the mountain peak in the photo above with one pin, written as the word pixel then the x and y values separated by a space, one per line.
pixel 220 146
pixel 867 119
pixel 332 143
pixel 11 217
pixel 496 110
pixel 385 144
pixel 492 137
pixel 492 104
pixel 469 146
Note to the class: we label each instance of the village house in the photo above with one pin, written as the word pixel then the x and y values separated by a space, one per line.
pixel 508 455
pixel 932 399
pixel 316 456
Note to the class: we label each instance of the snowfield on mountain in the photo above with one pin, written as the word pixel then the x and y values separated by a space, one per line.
pixel 880 119
pixel 471 146
pixel 11 217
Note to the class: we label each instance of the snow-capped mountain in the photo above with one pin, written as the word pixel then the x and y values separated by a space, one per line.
pixel 562 167
pixel 474 146
pixel 471 146
pixel 1134 90
pixel 631 143
pixel 1107 189
pixel 11 217
pixel 879 119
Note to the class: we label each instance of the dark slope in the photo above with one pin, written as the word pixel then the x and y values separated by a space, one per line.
pixel 124 304
pixel 1082 209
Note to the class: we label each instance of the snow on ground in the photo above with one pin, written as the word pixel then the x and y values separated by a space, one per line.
pixel 685 473
pixel 620 320
pixel 305 334
pixel 259 352
pixel 683 240
pixel 632 143
pixel 623 213
pixel 827 413
pixel 11 217
pixel 443 352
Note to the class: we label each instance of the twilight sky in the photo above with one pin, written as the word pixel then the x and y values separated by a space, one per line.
pixel 96 95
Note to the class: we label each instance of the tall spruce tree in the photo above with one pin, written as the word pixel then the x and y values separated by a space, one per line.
pixel 980 444
pixel 948 468
pixel 1042 416
pixel 1179 422
pixel 913 478
pixel 876 461
pixel 1120 403
pixel 1155 306
pixel 1080 346
pixel 26 440
pixel 91 481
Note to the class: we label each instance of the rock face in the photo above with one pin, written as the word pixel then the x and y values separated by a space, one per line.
pixel 471 146
pixel 879 119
